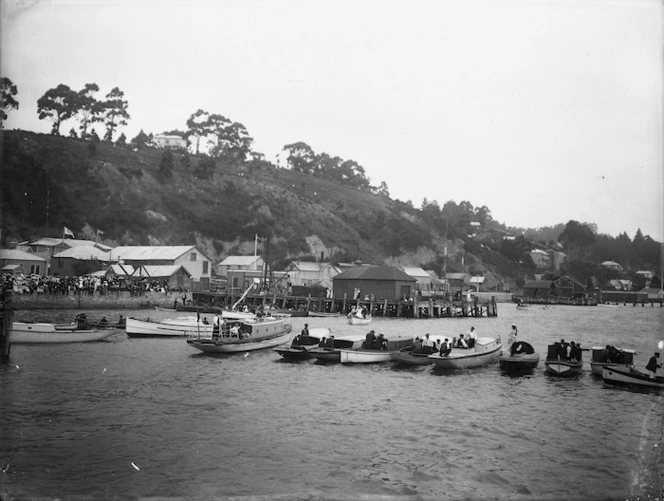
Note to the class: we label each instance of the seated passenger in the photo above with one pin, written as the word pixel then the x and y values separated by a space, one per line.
pixel 370 340
pixel 462 342
pixel 322 342
pixel 381 343
pixel 445 348
pixel 330 342
pixel 297 341
pixel 417 345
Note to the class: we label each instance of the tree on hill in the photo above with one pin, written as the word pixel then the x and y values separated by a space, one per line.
pixel 198 126
pixel 57 104
pixel 141 140
pixel 88 109
pixel 229 139
pixel 114 111
pixel 577 238
pixel 166 164
pixel 7 92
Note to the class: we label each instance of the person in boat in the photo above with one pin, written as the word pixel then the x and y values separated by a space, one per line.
pixel 445 348
pixel 511 339
pixel 121 320
pixel 305 331
pixel 653 365
pixel 370 340
pixel 562 350
pixel 322 342
pixel 461 343
pixel 427 344
pixel 604 356
pixel 103 322
pixel 216 327
pixel 417 345
pixel 235 330
pixel 297 341
pixel 82 321
pixel 330 342
pixel 381 343
pixel 471 337
pixel 574 351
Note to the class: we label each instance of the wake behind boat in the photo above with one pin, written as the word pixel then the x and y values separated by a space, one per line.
pixel 244 335
pixel 33 333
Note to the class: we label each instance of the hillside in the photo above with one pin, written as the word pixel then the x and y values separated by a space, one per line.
pixel 150 197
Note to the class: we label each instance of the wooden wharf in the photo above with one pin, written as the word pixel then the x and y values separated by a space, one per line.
pixel 416 307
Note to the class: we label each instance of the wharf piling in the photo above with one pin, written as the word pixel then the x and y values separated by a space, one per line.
pixel 6 318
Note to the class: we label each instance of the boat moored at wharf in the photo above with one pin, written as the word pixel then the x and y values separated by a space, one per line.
pixel 34 333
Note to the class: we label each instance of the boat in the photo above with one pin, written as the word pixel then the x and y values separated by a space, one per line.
pixel 166 328
pixel 331 350
pixel 630 376
pixel 244 335
pixel 521 357
pixel 363 355
pixel 610 356
pixel 32 333
pixel 558 363
pixel 415 355
pixel 358 319
pixel 299 348
pixel 323 314
pixel 486 351
pixel 522 306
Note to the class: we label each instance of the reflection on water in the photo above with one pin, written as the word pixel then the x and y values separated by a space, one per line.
pixel 75 418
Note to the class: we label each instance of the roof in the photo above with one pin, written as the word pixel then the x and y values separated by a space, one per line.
pixel 476 280
pixel 572 279
pixel 151 252
pixel 374 273
pixel 239 260
pixel 538 284
pixel 416 271
pixel 83 252
pixel 159 271
pixel 539 251
pixel 20 255
pixel 456 276
pixel 12 267
pixel 610 263
pixel 121 269
pixel 71 242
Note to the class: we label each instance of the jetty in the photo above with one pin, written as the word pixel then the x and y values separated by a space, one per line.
pixel 415 307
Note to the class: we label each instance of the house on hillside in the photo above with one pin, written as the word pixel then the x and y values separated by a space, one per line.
pixel 310 274
pixel 78 260
pixel 174 276
pixel 612 265
pixel 171 142
pixel 542 289
pixel 240 263
pixel 15 262
pixel 196 262
pixel 457 282
pixel 540 258
pixel 381 282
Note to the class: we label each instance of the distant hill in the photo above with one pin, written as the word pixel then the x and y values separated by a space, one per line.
pixel 152 197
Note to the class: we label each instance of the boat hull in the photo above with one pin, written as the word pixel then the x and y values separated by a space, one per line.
pixel 630 377
pixel 598 367
pixel 516 363
pixel 237 346
pixel 23 333
pixel 146 328
pixel 485 352
pixel 563 368
pixel 364 356
pixel 300 351
pixel 407 357
pixel 354 320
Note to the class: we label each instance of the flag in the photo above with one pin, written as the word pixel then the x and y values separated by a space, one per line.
pixel 68 233
pixel 99 232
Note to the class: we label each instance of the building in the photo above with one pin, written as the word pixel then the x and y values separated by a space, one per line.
pixel 197 264
pixel 543 289
pixel 540 258
pixel 169 141
pixel 240 263
pixel 569 287
pixel 238 281
pixel 612 265
pixel 381 282
pixel 17 261
pixel 175 276
pixel 46 247
pixel 310 274
pixel 78 260
pixel 424 281
pixel 477 283
pixel 457 282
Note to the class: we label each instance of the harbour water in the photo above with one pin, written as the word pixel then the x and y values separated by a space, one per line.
pixel 153 418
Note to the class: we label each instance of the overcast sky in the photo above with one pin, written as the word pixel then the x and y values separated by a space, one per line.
pixel 544 111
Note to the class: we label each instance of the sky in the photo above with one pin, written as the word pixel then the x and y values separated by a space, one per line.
pixel 542 111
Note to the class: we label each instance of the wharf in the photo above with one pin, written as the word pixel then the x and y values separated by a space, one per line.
pixel 416 307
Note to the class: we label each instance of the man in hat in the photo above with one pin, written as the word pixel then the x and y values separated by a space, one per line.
pixel 427 344
pixel 653 365
pixel 370 340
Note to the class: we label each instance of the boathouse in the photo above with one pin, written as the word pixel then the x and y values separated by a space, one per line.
pixel 568 287
pixel 539 289
pixel 379 282
pixel 310 274
pixel 16 261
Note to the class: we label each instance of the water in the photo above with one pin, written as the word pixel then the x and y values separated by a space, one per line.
pixel 75 417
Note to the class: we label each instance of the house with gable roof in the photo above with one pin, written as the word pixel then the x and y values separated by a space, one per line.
pixel 17 261
pixel 195 261
pixel 78 260
pixel 383 282
pixel 240 263
pixel 425 282
pixel 311 274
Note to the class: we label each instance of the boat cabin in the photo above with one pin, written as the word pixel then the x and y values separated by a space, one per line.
pixel 611 354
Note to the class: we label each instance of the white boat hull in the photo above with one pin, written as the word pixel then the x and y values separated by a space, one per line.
pixel 146 328
pixel 626 376
pixel 563 368
pixel 25 333
pixel 354 320
pixel 486 352
pixel 363 356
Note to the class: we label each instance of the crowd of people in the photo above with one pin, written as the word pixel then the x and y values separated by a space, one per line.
pixel 37 284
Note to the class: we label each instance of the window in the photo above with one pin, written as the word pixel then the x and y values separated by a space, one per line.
pixel 34 268
pixel 193 256
pixel 205 266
